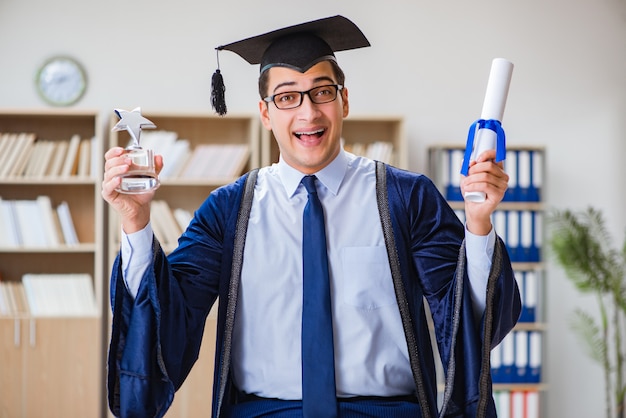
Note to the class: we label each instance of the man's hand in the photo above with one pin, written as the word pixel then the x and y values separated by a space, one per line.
pixel 490 178
pixel 134 209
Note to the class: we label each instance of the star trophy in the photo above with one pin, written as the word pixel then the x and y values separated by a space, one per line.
pixel 142 176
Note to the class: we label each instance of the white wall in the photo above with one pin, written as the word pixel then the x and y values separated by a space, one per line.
pixel 429 62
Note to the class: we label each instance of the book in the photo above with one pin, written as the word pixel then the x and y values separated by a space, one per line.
pixel 27 145
pixel 532 404
pixel 30 223
pixel 521 356
pixel 510 167
pixel 12 149
pixel 68 294
pixel 170 225
pixel 164 224
pixel 47 216
pixel 536 176
pixel 175 159
pixel 47 152
pixel 524 171
pixel 216 161
pixel 57 158
pixel 517 404
pixel 503 403
pixel 32 165
pixel 8 225
pixel 534 357
pixel 67 224
pixel 453 191
pixel 70 161
pixel 157 227
pixel 4 146
pixel 84 158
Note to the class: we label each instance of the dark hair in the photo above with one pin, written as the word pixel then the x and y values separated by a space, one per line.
pixel 338 72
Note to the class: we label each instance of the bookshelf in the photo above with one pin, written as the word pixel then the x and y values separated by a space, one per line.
pixel 517 362
pixel 53 362
pixel 186 194
pixel 359 132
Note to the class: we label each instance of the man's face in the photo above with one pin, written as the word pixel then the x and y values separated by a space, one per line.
pixel 308 136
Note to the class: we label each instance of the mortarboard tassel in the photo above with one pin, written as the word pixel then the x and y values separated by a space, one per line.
pixel 218 100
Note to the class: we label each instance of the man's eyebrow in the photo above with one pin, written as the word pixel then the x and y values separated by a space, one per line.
pixel 293 83
pixel 286 83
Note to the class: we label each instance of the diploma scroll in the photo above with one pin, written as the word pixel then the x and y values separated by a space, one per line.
pixel 486 133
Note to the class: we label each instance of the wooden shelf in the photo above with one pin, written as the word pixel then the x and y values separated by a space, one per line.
pixel 56 363
pixel 442 170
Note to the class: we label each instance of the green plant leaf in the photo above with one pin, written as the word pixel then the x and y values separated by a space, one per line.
pixel 590 335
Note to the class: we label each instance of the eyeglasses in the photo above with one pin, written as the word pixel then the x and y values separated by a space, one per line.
pixel 293 99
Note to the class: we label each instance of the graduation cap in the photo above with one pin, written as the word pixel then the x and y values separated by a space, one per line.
pixel 298 47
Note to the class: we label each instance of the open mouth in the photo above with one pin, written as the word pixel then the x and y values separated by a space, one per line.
pixel 307 135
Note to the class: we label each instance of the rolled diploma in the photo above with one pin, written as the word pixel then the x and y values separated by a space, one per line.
pixel 493 108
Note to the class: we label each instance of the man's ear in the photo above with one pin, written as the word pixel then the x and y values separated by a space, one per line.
pixel 264 112
pixel 345 103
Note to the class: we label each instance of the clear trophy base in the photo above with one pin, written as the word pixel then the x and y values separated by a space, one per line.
pixel 142 177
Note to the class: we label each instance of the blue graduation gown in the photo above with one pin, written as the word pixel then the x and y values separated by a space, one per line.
pixel 156 337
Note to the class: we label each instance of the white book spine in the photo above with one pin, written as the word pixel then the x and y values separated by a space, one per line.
pixel 524 167
pixel 71 156
pixel 67 224
pixel 47 216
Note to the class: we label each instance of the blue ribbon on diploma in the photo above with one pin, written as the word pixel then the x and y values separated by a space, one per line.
pixel 493 125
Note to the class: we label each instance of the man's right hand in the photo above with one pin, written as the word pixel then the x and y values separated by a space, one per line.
pixel 134 209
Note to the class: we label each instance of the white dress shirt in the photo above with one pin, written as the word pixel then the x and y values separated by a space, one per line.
pixel 370 348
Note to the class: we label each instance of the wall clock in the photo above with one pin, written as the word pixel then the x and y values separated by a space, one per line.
pixel 61 81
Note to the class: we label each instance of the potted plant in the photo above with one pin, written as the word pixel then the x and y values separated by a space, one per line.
pixel 581 245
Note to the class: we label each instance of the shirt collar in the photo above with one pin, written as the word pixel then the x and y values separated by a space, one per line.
pixel 330 176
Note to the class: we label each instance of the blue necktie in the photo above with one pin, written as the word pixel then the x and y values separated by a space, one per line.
pixel 318 362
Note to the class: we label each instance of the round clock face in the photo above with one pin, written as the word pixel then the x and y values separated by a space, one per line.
pixel 61 81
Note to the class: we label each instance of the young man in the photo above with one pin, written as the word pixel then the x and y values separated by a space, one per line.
pixel 391 241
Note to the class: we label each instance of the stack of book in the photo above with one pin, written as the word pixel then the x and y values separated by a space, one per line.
pixel 25 155
pixel 60 294
pixel 517 359
pixel 46 295
pixel 36 223
pixel 524 167
pixel 522 233
pixel 517 403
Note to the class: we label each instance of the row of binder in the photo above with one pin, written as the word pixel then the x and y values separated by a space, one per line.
pixel 517 404
pixel 521 231
pixel 524 167
pixel 517 359
pixel 529 285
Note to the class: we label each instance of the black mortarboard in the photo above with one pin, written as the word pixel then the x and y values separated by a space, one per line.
pixel 298 47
